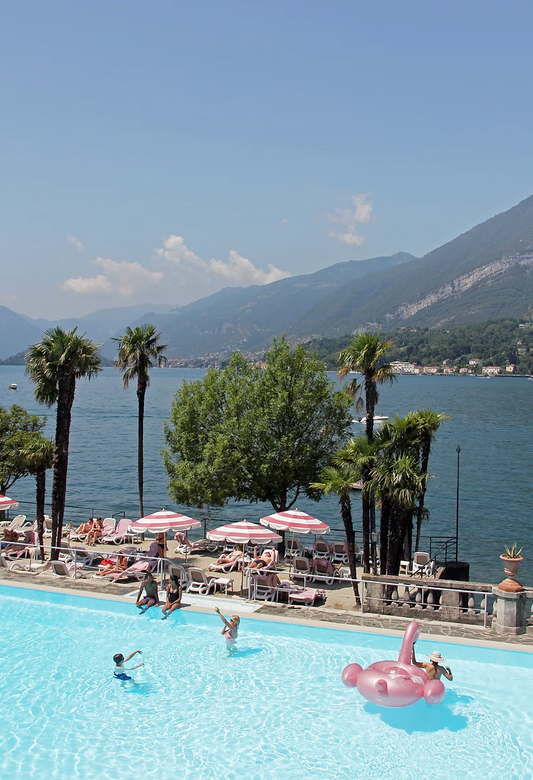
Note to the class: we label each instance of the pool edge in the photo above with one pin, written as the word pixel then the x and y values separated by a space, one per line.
pixel 444 637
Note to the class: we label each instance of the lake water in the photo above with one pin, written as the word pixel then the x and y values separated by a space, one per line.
pixel 491 419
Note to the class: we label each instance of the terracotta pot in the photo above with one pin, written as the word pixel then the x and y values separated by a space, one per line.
pixel 511 565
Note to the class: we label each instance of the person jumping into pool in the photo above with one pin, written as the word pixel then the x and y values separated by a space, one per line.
pixel 151 599
pixel 231 627
pixel 434 670
pixel 120 670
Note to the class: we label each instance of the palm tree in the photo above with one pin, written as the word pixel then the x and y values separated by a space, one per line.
pixel 358 455
pixel 54 365
pixel 396 482
pixel 365 354
pixel 339 480
pixel 426 423
pixel 138 351
pixel 38 457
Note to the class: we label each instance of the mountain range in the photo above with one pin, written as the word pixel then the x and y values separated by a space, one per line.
pixel 485 273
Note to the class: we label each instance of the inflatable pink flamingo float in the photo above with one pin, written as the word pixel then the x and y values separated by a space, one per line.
pixel 395 683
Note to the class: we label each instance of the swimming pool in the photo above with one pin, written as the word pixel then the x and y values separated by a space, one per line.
pixel 275 709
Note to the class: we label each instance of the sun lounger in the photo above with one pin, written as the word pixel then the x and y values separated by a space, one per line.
pixel 199 582
pixel 301 569
pixel 323 570
pixel 23 566
pixel 306 596
pixel 339 553
pixel 63 569
pixel 292 548
pixel 137 571
pixel 422 565
pixel 16 524
pixel 233 565
pixel 121 534
pixel 262 589
pixel 179 573
pixel 321 549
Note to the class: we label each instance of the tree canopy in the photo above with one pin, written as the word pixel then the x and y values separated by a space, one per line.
pixel 255 434
pixel 20 432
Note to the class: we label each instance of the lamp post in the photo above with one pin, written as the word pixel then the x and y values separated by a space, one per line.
pixel 458 451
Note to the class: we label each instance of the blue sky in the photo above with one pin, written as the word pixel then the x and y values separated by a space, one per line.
pixel 160 151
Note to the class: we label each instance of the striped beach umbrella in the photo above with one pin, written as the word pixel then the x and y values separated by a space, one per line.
pixel 7 503
pixel 295 521
pixel 244 532
pixel 163 521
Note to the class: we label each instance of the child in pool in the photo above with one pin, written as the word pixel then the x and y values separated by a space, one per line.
pixel 119 660
pixel 231 627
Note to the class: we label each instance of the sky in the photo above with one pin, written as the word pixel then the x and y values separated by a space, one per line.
pixel 158 152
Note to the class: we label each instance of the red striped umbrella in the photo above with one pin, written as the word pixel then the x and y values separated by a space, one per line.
pixel 244 532
pixel 163 521
pixel 7 503
pixel 295 521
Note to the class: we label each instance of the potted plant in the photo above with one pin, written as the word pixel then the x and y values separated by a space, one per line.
pixel 511 558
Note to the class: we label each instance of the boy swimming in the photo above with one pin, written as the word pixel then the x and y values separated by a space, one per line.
pixel 231 627
pixel 119 660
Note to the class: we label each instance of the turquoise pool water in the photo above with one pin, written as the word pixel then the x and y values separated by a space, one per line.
pixel 274 709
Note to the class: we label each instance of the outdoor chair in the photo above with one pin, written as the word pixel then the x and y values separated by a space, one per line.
pixel 405 569
pixel 179 573
pixel 422 565
pixel 262 589
pixel 121 534
pixel 292 548
pixel 199 582
pixel 322 569
pixel 26 567
pixel 339 553
pixel 306 596
pixel 63 569
pixel 301 569
pixel 321 549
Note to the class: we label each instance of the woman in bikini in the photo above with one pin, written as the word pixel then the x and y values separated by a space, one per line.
pixel 231 627
pixel 173 601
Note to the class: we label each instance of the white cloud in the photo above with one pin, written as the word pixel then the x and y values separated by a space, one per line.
pixel 75 242
pixel 236 269
pixel 284 221
pixel 350 217
pixel 121 278
pixel 10 298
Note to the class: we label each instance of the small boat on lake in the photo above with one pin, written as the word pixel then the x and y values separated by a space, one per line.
pixel 13 386
pixel 378 419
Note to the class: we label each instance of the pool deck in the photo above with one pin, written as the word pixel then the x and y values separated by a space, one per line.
pixel 324 617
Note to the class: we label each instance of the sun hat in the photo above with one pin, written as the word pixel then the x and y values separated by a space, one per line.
pixel 436 657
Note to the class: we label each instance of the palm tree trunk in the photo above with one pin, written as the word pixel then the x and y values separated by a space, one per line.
pixel 422 496
pixel 396 538
pixel 67 388
pixel 346 512
pixel 370 409
pixel 366 532
pixel 141 392
pixel 384 533
pixel 40 494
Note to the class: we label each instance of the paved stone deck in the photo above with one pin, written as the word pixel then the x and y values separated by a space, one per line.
pixel 476 634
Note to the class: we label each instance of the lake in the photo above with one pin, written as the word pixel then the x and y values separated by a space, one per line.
pixel 489 419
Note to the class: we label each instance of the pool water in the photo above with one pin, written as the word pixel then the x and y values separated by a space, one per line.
pixel 275 708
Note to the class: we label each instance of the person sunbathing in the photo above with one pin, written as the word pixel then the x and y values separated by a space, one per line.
pixel 96 532
pixel 10 537
pixel 112 568
pixel 259 562
pixel 182 539
pixel 86 528
pixel 231 558
pixel 173 601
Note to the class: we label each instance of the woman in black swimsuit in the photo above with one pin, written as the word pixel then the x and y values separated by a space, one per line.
pixel 173 598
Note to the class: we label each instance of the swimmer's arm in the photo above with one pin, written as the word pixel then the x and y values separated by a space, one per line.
pixel 414 661
pixel 130 656
pixel 131 668
pixel 447 672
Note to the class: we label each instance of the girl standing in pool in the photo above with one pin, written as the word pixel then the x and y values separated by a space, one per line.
pixel 231 627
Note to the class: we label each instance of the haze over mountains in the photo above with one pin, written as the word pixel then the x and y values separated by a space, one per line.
pixel 485 273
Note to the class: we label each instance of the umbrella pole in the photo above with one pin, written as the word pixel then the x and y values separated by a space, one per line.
pixel 242 570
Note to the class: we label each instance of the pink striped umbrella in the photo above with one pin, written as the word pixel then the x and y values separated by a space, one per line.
pixel 244 532
pixel 295 521
pixel 163 521
pixel 7 503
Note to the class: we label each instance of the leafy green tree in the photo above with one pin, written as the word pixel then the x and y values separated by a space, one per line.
pixel 18 429
pixel 339 480
pixel 54 365
pixel 38 456
pixel 252 434
pixel 139 349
